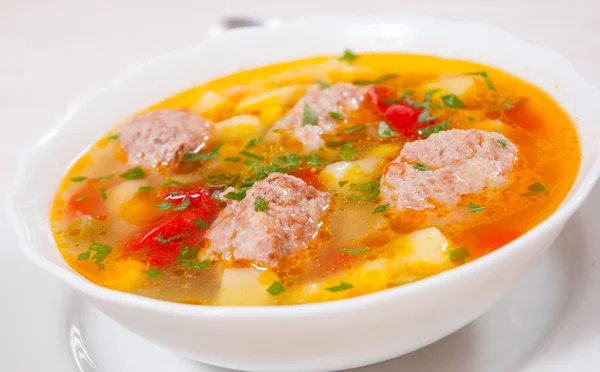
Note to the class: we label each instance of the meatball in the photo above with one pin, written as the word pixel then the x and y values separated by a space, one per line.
pixel 341 98
pixel 445 166
pixel 289 223
pixel 162 137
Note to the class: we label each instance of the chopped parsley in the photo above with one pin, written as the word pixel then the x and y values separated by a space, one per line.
pixel 260 204
pixel 470 118
pixel 262 172
pixel 84 256
pixel 165 206
pixel 420 167
pixel 309 116
pixel 133 173
pixel 390 101
pixel 335 143
pixel 507 104
pixel 113 137
pixel 379 80
pixel 385 131
pixel 81 198
pixel 336 115
pixel 252 155
pixel 102 251
pixel 200 223
pixel 371 188
pixel 187 253
pixel 452 101
pixel 502 142
pixel 103 193
pixel 356 128
pixel 232 159
pixel 153 273
pixel 355 251
pixel 348 56
pixel 105 177
pixel 381 208
pixel 342 183
pixel 458 255
pixel 275 288
pixel 185 202
pixel 162 240
pixel 474 208
pixel 145 188
pixel 535 189
pixel 428 131
pixel 253 142
pixel 192 157
pixel 289 160
pixel 323 84
pixel 79 178
pixel 314 160
pixel 425 116
pixel 196 265
pixel 176 183
pixel 486 78
pixel 348 152
pixel 429 94
pixel 238 196
pixel 341 287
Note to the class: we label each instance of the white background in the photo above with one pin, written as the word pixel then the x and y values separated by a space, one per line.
pixel 53 51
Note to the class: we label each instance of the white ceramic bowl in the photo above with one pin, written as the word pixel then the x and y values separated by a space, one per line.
pixel 324 336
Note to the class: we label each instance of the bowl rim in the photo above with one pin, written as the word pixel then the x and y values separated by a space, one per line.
pixel 89 288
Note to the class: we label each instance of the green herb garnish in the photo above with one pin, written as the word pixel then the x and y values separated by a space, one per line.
pixel 113 137
pixel 165 206
pixel 103 193
pixel 175 183
pixel 348 56
pixel 260 204
pixel 133 173
pixel 502 142
pixel 341 287
pixel 385 131
pixel 535 189
pixel 84 256
pixel 153 273
pixel 356 128
pixel 381 208
pixel 390 101
pixel 452 101
pixel 192 157
pixel 234 159
pixel 238 196
pixel 309 116
pixel 355 251
pixel 323 84
pixel 342 183
pixel 252 155
pixel 187 253
pixel 379 80
pixel 314 160
pixel 79 178
pixel 200 223
pixel 470 118
pixel 336 115
pixel 485 78
pixel 420 167
pixel 275 288
pixel 458 255
pixel 145 188
pixel 105 177
pixel 102 251
pixel 253 142
pixel 428 131
pixel 348 152
pixel 162 240
pixel 81 198
pixel 425 116
pixel 290 160
pixel 196 265
pixel 474 208
pixel 185 202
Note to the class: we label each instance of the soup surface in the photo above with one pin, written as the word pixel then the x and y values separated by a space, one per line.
pixel 315 180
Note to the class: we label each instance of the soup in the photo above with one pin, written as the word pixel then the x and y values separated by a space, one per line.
pixel 315 180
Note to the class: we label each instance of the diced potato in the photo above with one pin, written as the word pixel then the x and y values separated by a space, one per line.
pixel 209 102
pixel 141 209
pixel 458 85
pixel 356 171
pixel 420 254
pixel 281 96
pixel 354 220
pixel 120 194
pixel 270 114
pixel 386 151
pixel 240 127
pixel 244 287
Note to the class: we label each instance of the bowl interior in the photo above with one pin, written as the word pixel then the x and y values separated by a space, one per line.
pixel 90 118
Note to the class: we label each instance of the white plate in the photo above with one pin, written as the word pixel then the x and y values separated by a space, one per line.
pixel 549 323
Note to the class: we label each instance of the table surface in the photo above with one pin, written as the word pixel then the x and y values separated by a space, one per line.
pixel 51 52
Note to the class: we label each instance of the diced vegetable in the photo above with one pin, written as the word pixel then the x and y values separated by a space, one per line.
pixel 122 193
pixel 244 287
pixel 387 151
pixel 352 171
pixel 124 275
pixel 239 127
pixel 209 102
pixel 141 209
pixel 458 85
pixel 89 201
pixel 281 96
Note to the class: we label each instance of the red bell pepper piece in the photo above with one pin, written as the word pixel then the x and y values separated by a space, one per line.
pixel 162 242
pixel 400 115
pixel 89 201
